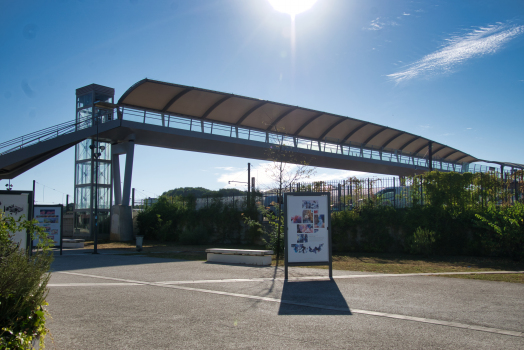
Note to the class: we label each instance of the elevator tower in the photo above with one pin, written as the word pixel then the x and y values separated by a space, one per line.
pixel 93 163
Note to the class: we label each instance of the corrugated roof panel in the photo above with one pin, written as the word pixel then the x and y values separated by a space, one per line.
pixel 440 150
pixel 383 137
pixel 231 110
pixel 455 156
pixel 318 126
pixel 296 118
pixel 364 133
pixel 195 103
pixel 153 96
pixel 415 145
pixel 399 141
pixel 263 117
pixel 340 130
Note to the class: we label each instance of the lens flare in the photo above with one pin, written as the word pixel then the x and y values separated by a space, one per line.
pixel 292 7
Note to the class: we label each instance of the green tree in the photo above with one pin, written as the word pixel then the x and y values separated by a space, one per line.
pixel 199 192
pixel 286 168
pixel 23 285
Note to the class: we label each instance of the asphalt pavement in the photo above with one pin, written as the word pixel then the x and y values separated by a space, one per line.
pixel 114 301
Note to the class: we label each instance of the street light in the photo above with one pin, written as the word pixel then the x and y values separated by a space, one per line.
pixel 9 187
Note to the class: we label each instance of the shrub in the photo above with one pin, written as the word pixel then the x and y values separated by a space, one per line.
pixel 254 229
pixel 23 286
pixel 198 235
pixel 276 236
pixel 176 219
pixel 456 229
pixel 344 230
pixel 504 229
pixel 422 242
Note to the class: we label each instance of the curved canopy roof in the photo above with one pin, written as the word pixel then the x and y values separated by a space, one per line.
pixel 280 118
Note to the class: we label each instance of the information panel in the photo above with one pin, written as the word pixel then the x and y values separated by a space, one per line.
pixel 16 204
pixel 50 218
pixel 306 228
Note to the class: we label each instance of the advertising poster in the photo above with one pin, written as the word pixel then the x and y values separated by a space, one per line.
pixel 308 239
pixel 16 204
pixel 50 218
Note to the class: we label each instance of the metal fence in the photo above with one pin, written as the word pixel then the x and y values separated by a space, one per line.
pixel 348 194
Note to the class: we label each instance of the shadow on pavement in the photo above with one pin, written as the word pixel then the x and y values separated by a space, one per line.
pixel 312 298
pixel 84 259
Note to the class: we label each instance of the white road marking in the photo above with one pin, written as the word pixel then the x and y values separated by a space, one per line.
pixel 323 278
pixel 318 306
pixel 92 284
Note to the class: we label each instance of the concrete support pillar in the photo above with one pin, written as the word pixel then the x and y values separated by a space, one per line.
pixel 129 172
pixel 116 179
pixel 121 212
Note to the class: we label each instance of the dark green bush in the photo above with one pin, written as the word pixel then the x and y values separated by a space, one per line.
pixel 422 242
pixel 455 214
pixel 254 229
pixel 275 232
pixel 198 235
pixel 503 230
pixel 23 286
pixel 177 220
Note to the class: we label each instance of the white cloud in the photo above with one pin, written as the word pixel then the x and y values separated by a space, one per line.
pixel 226 168
pixel 264 181
pixel 377 24
pixel 406 14
pixel 477 43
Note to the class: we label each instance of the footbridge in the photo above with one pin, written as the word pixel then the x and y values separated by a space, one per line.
pixel 160 114
pixel 187 118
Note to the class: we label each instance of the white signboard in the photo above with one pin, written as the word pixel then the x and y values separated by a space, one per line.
pixel 16 204
pixel 50 218
pixel 307 236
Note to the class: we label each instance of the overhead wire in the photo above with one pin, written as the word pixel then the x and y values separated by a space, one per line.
pixel 43 192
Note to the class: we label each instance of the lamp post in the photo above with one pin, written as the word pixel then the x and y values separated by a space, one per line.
pixel 9 187
pixel 96 152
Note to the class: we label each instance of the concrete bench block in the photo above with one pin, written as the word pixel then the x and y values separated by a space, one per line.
pixel 240 256
pixel 73 243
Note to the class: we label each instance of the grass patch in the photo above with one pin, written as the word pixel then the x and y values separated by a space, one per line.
pixel 503 277
pixel 166 250
pixel 400 263
pixel 161 247
pixel 364 262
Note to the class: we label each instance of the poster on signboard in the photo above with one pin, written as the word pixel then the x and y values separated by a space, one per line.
pixel 17 204
pixel 50 218
pixel 307 232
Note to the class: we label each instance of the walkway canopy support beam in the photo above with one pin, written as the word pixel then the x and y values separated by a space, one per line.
pixel 430 155
pixel 117 188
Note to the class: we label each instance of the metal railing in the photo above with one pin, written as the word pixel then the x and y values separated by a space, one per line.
pixel 233 131
pixel 39 136
pixel 229 130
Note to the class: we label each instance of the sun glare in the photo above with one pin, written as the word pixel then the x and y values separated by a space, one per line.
pixel 292 7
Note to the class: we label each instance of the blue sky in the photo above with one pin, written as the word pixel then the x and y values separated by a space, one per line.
pixel 451 71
